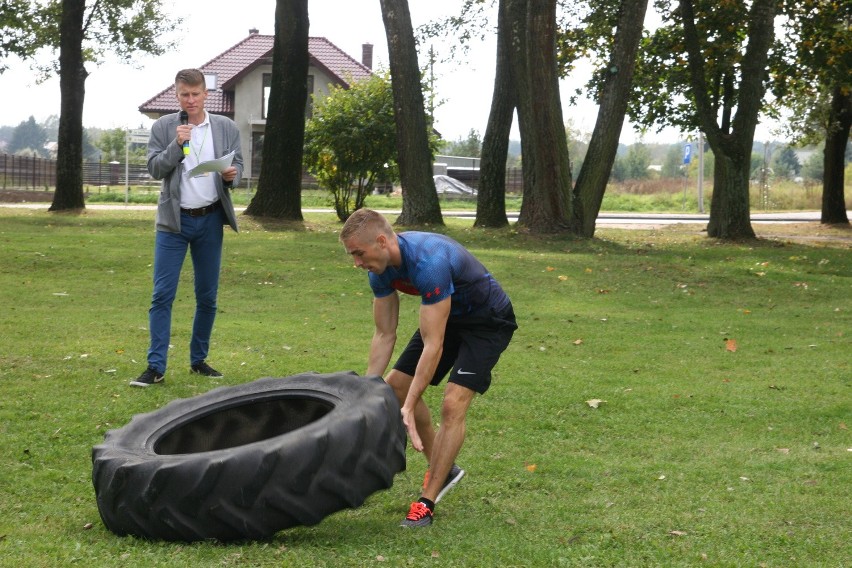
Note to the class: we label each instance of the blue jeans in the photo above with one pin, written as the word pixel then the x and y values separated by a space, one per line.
pixel 203 236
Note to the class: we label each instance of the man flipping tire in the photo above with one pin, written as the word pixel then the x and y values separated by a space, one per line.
pixel 466 321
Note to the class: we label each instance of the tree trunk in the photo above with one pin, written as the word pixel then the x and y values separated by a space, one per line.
pixel 729 210
pixel 419 199
pixel 516 27
pixel 834 158
pixel 546 205
pixel 279 189
pixel 491 197
pixel 72 87
pixel 732 220
pixel 600 156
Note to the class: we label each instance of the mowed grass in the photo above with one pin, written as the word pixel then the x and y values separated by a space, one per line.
pixel 725 370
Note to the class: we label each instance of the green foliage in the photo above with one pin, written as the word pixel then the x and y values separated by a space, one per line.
pixel 785 163
pixel 636 161
pixel 17 20
pixel 664 92
pixel 470 147
pixel 350 142
pixel 111 144
pixel 699 456
pixel 813 59
pixel 814 166
pixel 578 145
pixel 28 135
pixel 619 169
pixel 673 163
pixel 121 28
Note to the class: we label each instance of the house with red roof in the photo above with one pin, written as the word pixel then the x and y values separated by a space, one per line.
pixel 238 83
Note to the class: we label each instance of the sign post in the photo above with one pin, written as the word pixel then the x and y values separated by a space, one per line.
pixel 687 157
pixel 135 136
pixel 700 172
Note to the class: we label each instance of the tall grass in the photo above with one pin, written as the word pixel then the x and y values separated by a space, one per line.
pixel 723 439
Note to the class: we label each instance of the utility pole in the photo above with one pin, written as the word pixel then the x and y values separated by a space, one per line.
pixel 700 172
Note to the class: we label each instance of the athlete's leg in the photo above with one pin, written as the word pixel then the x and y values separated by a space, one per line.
pixel 449 438
pixel 400 383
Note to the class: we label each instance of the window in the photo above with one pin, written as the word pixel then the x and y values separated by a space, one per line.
pixel 267 88
pixel 256 153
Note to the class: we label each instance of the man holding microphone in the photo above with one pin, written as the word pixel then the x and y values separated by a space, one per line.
pixel 191 213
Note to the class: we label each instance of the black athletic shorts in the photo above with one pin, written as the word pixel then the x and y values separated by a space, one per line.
pixel 472 347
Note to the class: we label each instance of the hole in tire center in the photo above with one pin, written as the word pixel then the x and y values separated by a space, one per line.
pixel 243 424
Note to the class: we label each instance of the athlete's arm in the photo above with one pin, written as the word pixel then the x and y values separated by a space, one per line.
pixel 433 323
pixel 386 316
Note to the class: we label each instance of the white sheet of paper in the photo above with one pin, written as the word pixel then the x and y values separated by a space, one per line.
pixel 217 165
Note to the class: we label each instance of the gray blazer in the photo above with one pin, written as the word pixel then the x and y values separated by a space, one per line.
pixel 165 155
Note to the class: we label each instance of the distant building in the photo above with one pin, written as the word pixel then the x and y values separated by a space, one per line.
pixel 239 79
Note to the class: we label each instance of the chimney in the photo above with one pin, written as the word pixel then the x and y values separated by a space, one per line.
pixel 367 55
pixel 253 31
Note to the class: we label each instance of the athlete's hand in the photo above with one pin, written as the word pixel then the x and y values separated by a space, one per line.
pixel 411 428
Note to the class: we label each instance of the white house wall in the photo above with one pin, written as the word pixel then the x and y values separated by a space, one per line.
pixel 248 103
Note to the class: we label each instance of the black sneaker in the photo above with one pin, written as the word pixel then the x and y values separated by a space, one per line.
pixel 455 475
pixel 204 369
pixel 147 378
pixel 419 515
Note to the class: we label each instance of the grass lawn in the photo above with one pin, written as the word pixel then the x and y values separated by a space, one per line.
pixel 725 370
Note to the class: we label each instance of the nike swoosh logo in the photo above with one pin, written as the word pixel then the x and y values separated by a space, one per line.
pixel 460 372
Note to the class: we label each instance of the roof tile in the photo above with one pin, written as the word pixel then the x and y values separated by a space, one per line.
pixel 254 50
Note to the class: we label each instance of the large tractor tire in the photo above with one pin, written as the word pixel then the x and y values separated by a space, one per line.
pixel 246 461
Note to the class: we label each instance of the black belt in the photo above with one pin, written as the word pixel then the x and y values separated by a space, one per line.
pixel 201 211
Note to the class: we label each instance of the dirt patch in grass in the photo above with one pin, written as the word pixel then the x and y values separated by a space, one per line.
pixel 804 233
pixel 25 196
pixel 812 233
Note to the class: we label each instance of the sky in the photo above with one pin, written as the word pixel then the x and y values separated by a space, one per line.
pixel 114 91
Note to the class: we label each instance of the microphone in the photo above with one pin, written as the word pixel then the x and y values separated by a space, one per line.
pixel 184 119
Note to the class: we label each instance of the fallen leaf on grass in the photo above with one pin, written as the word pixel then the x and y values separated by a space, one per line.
pixel 731 345
pixel 578 342
pixel 784 450
pixel 595 402
pixel 678 533
pixel 435 554
pixel 550 269
pixel 530 467
pixel 563 278
pixel 87 526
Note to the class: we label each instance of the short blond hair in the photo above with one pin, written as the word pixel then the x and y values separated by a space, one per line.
pixel 367 221
pixel 191 77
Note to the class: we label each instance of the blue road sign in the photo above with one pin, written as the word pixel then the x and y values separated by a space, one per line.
pixel 687 153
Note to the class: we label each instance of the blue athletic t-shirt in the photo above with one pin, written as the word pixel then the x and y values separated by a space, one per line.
pixel 434 267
